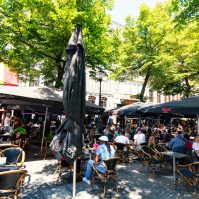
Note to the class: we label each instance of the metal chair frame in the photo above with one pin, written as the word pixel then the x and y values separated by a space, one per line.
pixel 192 177
pixel 110 172
pixel 10 191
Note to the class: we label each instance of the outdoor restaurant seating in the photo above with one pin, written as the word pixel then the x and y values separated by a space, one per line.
pixel 110 173
pixel 62 166
pixel 14 156
pixel 150 158
pixel 189 174
pixel 158 149
pixel 11 183
pixel 7 145
pixel 121 151
pixel 136 155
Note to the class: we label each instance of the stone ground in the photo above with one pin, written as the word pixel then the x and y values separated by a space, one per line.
pixel 132 183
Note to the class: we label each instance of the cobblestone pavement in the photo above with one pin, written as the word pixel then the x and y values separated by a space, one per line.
pixel 132 183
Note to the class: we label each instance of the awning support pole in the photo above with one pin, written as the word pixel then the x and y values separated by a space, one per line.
pixel 198 124
pixel 44 128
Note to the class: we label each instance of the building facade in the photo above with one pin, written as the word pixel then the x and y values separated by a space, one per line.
pixel 115 93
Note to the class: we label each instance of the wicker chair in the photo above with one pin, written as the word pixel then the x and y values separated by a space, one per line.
pixel 15 156
pixel 11 182
pixel 122 151
pixel 150 158
pixel 158 149
pixel 62 166
pixel 189 174
pixel 110 172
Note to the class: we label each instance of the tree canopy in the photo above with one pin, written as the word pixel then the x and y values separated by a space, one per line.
pixel 186 10
pixel 34 35
pixel 143 40
pixel 152 47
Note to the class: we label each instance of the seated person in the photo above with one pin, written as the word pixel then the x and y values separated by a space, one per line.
pixel 139 138
pixel 16 138
pixel 178 143
pixel 195 146
pixel 111 134
pixel 122 138
pixel 104 151
pixel 152 139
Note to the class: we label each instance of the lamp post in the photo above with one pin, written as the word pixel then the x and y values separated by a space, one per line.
pixel 100 76
pixel 100 91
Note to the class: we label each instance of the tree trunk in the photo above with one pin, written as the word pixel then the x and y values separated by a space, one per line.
pixel 60 73
pixel 187 88
pixel 141 97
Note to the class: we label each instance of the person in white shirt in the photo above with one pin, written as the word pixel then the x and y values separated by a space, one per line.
pixel 122 138
pixel 195 145
pixel 7 123
pixel 139 138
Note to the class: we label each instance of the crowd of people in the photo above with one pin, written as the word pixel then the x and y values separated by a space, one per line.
pixel 14 129
pixel 177 139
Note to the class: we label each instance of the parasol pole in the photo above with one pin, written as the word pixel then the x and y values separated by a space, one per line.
pixel 44 128
pixel 198 124
pixel 74 178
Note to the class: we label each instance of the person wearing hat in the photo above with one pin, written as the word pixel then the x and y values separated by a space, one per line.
pixel 103 152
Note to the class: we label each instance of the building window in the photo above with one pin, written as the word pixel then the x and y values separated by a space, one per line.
pixel 158 97
pixel 165 98
pixel 150 95
pixel 92 99
pixel 104 102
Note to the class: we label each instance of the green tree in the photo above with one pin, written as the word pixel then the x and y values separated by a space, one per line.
pixel 143 40
pixel 179 62
pixel 34 35
pixel 186 10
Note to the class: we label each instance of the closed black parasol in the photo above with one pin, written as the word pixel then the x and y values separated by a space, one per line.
pixel 68 139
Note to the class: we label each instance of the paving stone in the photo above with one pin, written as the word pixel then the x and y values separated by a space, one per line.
pixel 132 183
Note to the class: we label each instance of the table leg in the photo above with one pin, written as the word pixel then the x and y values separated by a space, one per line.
pixel 174 169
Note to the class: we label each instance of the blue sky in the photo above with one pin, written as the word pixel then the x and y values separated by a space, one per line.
pixel 122 8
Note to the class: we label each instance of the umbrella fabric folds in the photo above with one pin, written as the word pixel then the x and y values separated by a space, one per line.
pixel 68 139
pixel 186 106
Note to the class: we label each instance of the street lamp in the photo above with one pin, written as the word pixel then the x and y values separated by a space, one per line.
pixel 100 76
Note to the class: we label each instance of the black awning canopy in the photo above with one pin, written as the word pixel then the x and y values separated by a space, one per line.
pixel 185 106
pixel 37 98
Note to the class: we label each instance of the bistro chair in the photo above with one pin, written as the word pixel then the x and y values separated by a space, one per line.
pixel 158 149
pixel 62 166
pixel 122 151
pixel 137 155
pixel 150 158
pixel 189 174
pixel 15 156
pixel 47 149
pixel 22 143
pixel 11 183
pixel 110 173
